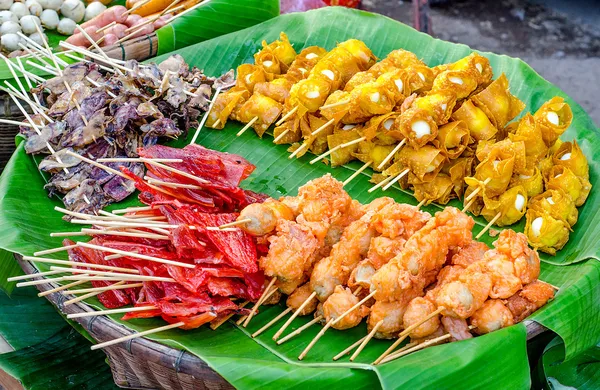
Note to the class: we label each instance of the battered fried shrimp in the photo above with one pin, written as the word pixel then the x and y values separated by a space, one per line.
pixel 264 216
pixel 493 315
pixel 392 314
pixel 338 303
pixel 291 254
pixel 384 249
pixel 399 220
pixel 462 298
pixel 449 273
pixel 423 255
pixel 324 199
pixel 418 309
pixel 513 247
pixel 335 269
pixel 504 281
pixel 361 275
pixel 532 297
pixel 298 297
pixel 469 254
pixel 457 327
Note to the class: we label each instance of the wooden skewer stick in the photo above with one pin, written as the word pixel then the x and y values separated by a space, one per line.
pixel 54 250
pixel 476 190
pixel 358 290
pixel 174 170
pixel 216 325
pixel 90 294
pixel 104 273
pixel 392 153
pixel 43 281
pixel 106 27
pixel 132 209
pixel 17 123
pixel 280 136
pixel 33 276
pixel 40 67
pixel 83 59
pixel 358 172
pixel 380 184
pixel 10 65
pixel 300 329
pixel 28 79
pixel 263 297
pixel 171 185
pixel 272 322
pixel 97 85
pixel 129 278
pixel 296 313
pixel 243 130
pixel 286 116
pixel 141 334
pixel 136 6
pixel 123 224
pixel 94 232
pixel 300 148
pixel 36 107
pixel 114 63
pixel 366 340
pixel 333 322
pixel 323 127
pixel 405 334
pixel 61 288
pixel 421 203
pixel 336 148
pixel 114 286
pixel 236 223
pixel 396 179
pixel 136 255
pixel 350 348
pixel 110 311
pixel 216 123
pixel 205 117
pixel 416 348
pixel 336 104
pixel 488 226
pixel 93 42
pixel 94 163
pixel 468 205
pixel 134 159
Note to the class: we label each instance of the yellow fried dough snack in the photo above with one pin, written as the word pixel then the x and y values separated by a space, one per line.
pixel 544 232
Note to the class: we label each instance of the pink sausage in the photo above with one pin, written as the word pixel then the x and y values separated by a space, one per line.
pixel 118 30
pixel 109 40
pixel 132 20
pixel 81 40
pixel 112 14
pixel 163 20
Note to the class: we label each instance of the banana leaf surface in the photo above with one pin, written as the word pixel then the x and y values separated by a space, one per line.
pixel 497 360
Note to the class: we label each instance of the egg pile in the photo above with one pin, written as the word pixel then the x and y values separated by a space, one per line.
pixel 22 17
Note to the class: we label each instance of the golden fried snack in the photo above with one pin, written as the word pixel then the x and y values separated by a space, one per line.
pixel 288 132
pixel 471 62
pixel 438 190
pixel 558 204
pixel 480 126
pixel 416 125
pixel 378 129
pixel 570 156
pixel 533 184
pixel 457 170
pixel 298 297
pixel 497 102
pixel 545 232
pixel 529 299
pixel 561 177
pixel 438 104
pixel 418 309
pixel 304 62
pixel 369 151
pixel 553 118
pixel 529 133
pixel 278 89
pixel 264 216
pixel 225 105
pixel 248 75
pixel 511 205
pixel 452 139
pixel 338 303
pixel 425 163
pixel 343 155
pixel 460 82
pixel 493 315
pixel 262 107
pixel 281 49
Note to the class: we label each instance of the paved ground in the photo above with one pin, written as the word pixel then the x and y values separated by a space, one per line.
pixel 561 43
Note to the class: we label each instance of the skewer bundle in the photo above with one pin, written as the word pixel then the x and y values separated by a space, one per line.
pixel 441 131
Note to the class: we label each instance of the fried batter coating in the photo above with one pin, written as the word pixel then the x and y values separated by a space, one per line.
pixel 324 199
pixel 418 309
pixel 338 303
pixel 264 216
pixel 462 298
pixel 513 247
pixel 532 297
pixel 298 297
pixel 391 313
pixel 493 315
pixel 469 254
pixel 399 220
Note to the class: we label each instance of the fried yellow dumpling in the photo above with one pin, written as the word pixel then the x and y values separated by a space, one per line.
pixel 473 62
pixel 416 125
pixel 561 177
pixel 343 155
pixel 291 128
pixel 460 82
pixel 269 62
pixel 420 78
pixel 558 204
pixel 370 99
pixel 318 142
pixel 452 139
pixel 425 163
pixel 438 104
pixel 528 132
pixel 278 89
pixel 401 58
pixel 458 169
pixel 397 82
pixel 359 78
pixel 545 166
pixel 553 118
pixel 498 103
pixel 480 126
pixel 502 150
pixel 378 127
pixel 309 95
pixel 363 56
pixel 304 63
pixel 570 155
pixel 337 105
pixel 224 106
pixel 511 205
pixel 282 49
pixel 533 184
pixel 248 75
pixel 369 151
pixel 438 190
pixel 544 232
pixel 327 70
pixel 264 108
pixel 493 174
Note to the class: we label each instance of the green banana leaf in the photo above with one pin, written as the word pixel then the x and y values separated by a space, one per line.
pixel 8 268
pixel 496 360
pixel 217 17
pixel 48 353
pixel 581 373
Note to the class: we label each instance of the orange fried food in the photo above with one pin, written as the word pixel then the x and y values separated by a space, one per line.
pixel 450 273
pixel 462 298
pixel 457 327
pixel 417 310
pixel 423 255
pixel 338 303
pixel 399 220
pixel 291 254
pixel 469 254
pixel 513 246
pixel 264 216
pixel 438 333
pixel 384 249
pixel 532 297
pixel 493 315
pixel 392 314
pixel 298 297
pixel 324 199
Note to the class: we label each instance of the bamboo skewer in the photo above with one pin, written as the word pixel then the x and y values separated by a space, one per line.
pixel 43 281
pixel 380 184
pixel 171 185
pixel 300 148
pixel 366 340
pixel 286 116
pixel 17 123
pixel 391 154
pixel 101 29
pixel 61 288
pixel 350 348
pixel 94 232
pixel 101 289
pixel 488 226
pixel 300 330
pixel 247 126
pixel 323 127
pixel 333 322
pixel 272 322
pixel 132 209
pixel 336 148
pixel 136 255
pixel 468 205
pixel 110 274
pixel 336 104
pixel 33 276
pixel 358 172
pixel 216 325
pixel 118 278
pixel 174 170
pixel 110 311
pixel 260 301
pixel 396 179
pixel 405 334
pixel 296 313
pixel 28 79
pixel 90 294
pixel 205 117
pixel 236 223
pixel 280 136
pixel 416 348
pixel 140 334
pixel 34 106
pixel 54 250
pixel 476 190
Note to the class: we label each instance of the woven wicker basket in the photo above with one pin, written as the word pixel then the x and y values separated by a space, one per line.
pixel 144 364
pixel 8 110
